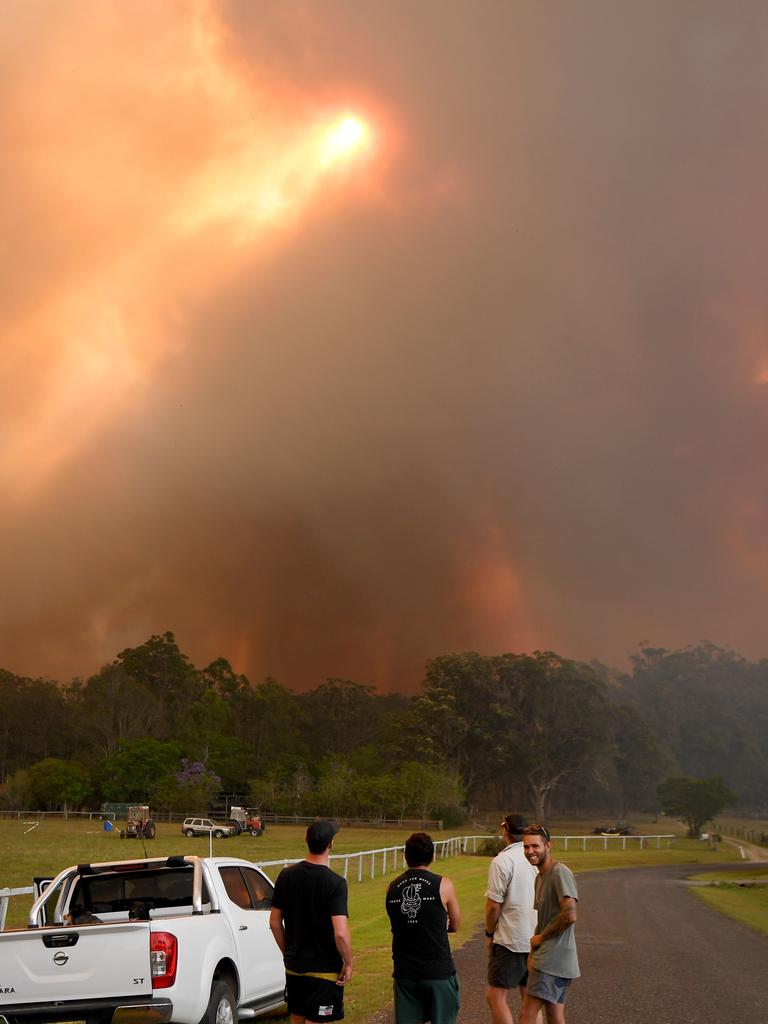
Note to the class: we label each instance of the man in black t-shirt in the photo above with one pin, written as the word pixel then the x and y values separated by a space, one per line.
pixel 310 922
pixel 423 908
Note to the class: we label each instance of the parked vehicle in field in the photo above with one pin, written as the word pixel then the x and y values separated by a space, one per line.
pixel 205 827
pixel 174 938
pixel 621 828
pixel 246 819
pixel 139 824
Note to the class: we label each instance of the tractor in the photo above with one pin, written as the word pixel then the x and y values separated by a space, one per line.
pixel 245 819
pixel 139 824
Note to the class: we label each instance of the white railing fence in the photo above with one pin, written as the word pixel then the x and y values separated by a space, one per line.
pixel 369 863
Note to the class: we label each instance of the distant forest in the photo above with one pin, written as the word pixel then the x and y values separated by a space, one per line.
pixel 530 731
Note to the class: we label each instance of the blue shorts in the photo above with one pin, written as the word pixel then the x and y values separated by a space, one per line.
pixel 548 987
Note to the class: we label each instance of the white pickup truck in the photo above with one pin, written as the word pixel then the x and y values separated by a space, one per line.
pixel 200 951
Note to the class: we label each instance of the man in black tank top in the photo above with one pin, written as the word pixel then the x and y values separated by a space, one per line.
pixel 423 908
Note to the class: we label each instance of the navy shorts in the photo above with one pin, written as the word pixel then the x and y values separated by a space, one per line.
pixel 314 998
pixel 505 968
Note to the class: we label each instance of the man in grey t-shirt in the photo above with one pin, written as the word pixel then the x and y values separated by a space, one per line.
pixel 553 962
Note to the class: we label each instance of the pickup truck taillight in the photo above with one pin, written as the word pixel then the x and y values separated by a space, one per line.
pixel 163 957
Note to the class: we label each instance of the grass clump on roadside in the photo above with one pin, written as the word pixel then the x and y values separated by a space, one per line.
pixel 730 894
pixel 748 906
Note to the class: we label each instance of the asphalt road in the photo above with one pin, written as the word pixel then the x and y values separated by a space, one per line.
pixel 650 953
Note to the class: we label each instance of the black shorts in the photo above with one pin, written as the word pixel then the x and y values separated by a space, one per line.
pixel 314 998
pixel 505 968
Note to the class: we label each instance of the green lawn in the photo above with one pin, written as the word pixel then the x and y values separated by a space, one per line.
pixel 748 871
pixel 56 844
pixel 747 905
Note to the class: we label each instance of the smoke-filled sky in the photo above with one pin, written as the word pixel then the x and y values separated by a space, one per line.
pixel 338 335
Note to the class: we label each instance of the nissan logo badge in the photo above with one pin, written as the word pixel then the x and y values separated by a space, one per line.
pixel 60 958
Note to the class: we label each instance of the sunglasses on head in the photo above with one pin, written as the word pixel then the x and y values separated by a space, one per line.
pixel 536 830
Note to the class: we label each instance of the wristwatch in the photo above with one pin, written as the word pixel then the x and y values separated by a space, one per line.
pixel 489 935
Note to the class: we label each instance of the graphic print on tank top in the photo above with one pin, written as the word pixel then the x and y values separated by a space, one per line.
pixel 411 901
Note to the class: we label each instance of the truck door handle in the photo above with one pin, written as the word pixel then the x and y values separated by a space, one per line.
pixel 59 939
pixel 242 928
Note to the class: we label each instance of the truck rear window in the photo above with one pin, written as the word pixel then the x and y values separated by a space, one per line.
pixel 128 891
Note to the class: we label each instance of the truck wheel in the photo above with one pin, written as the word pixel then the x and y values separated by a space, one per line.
pixel 222 1007
pixel 258 831
pixel 189 832
pixel 149 830
pixel 218 834
pixel 236 826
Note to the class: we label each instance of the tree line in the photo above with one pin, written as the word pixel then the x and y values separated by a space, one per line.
pixel 536 731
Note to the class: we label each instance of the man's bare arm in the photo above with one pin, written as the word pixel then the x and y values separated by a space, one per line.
pixel 564 920
pixel 492 913
pixel 276 927
pixel 451 904
pixel 343 940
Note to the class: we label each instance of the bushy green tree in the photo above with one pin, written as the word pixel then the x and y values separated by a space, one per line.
pixel 140 771
pixel 190 790
pixel 708 706
pixel 694 801
pixel 113 708
pixel 557 723
pixel 33 721
pixel 56 783
pixel 460 720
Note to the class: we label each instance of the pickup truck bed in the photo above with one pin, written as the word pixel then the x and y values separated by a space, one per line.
pixel 204 951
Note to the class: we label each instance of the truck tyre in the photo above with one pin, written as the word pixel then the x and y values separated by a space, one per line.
pixel 257 831
pixel 218 834
pixel 222 1007
pixel 149 830
pixel 236 826
pixel 189 832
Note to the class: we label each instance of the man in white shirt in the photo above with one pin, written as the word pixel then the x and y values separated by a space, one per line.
pixel 510 920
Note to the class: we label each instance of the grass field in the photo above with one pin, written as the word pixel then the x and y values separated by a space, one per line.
pixel 56 844
pixel 747 905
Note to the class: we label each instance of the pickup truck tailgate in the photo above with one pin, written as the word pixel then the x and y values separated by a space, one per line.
pixel 75 962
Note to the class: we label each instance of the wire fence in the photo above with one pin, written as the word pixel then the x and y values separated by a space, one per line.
pixel 749 835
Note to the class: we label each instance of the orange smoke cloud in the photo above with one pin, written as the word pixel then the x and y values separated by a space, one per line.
pixel 149 153
pixel 491 589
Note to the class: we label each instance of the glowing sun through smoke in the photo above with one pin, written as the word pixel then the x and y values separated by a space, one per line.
pixel 169 199
pixel 349 135
pixel 255 187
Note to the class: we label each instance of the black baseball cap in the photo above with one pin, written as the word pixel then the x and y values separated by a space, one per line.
pixel 320 833
pixel 514 824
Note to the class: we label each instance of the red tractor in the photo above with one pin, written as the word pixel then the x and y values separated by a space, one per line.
pixel 245 819
pixel 139 824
